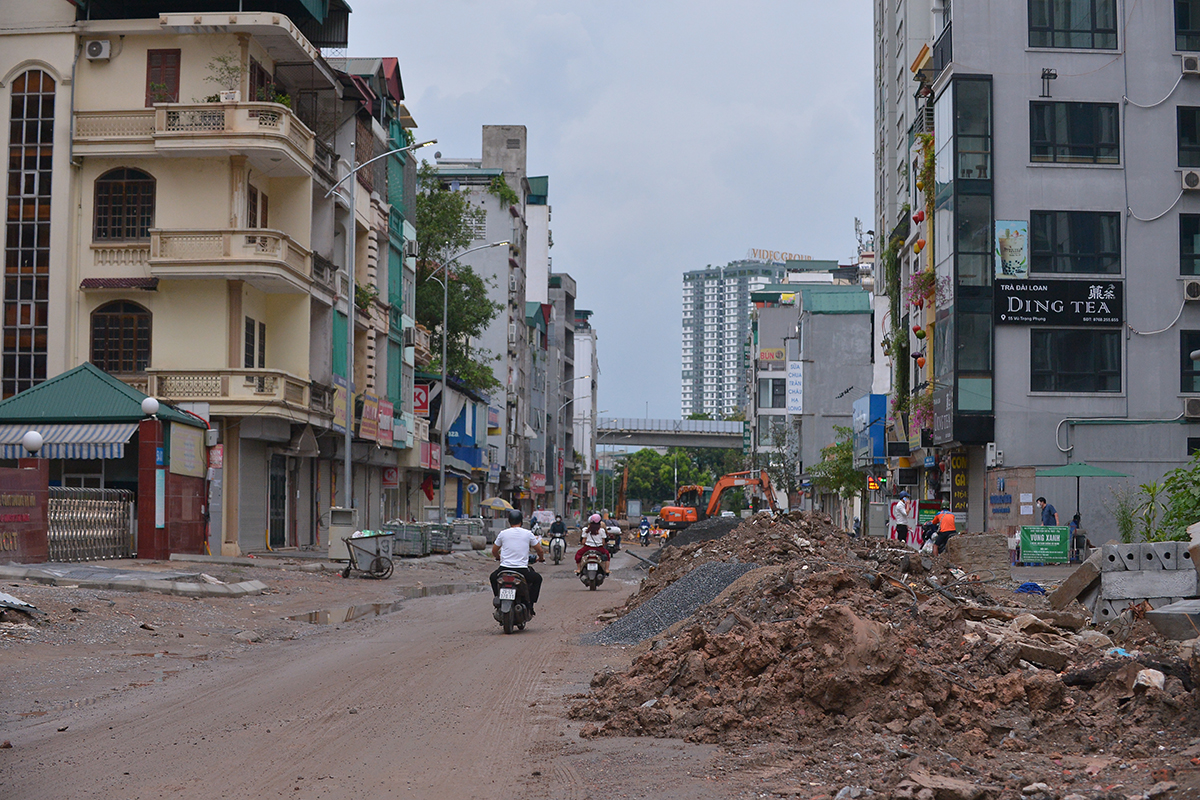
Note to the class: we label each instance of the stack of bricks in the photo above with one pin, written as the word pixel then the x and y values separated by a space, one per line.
pixel 1158 573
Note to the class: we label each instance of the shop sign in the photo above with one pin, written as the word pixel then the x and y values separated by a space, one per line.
pixel 340 401
pixel 368 423
pixel 795 387
pixel 216 457
pixel 746 437
pixel 1044 543
pixel 1012 248
pixel 537 483
pixel 387 423
pixel 493 420
pixel 421 399
pixel 1059 302
pixel 770 354
pixel 943 414
pixel 390 477
pixel 187 451
pixel 493 472
pixel 959 494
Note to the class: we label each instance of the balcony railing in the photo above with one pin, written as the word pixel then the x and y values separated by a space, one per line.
pixel 422 340
pixel 249 386
pixel 186 127
pixel 321 398
pixel 324 160
pixel 324 272
pixel 268 259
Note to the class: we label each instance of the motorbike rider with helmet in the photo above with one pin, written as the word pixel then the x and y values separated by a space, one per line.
pixel 511 549
pixel 558 527
pixel 592 538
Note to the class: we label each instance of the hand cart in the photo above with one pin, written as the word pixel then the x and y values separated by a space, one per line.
pixel 374 550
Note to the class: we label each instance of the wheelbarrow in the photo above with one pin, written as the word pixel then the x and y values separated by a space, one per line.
pixel 370 553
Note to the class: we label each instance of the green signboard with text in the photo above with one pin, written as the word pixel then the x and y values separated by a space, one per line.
pixel 1044 543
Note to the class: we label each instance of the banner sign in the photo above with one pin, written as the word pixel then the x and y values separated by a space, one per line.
pixel 390 477
pixel 537 482
pixel 368 422
pixel 1044 543
pixel 959 494
pixel 386 424
pixel 187 451
pixel 795 387
pixel 770 354
pixel 1059 302
pixel 1012 248
pixel 340 403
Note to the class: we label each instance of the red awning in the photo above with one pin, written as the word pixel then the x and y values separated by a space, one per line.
pixel 147 284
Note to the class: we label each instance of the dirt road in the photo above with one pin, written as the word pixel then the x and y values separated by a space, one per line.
pixel 432 701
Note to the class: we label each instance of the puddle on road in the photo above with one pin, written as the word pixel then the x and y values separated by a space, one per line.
pixel 335 616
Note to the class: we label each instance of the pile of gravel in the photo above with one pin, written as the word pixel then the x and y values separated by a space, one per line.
pixel 677 602
pixel 704 530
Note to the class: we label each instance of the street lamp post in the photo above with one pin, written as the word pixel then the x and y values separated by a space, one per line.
pixel 445 282
pixel 351 249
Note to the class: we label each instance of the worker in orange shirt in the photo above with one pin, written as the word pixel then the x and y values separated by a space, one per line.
pixel 947 527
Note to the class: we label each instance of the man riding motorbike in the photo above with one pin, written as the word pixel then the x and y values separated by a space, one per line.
pixel 645 526
pixel 592 538
pixel 511 549
pixel 558 526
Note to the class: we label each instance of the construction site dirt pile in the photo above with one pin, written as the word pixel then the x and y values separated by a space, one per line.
pixel 803 651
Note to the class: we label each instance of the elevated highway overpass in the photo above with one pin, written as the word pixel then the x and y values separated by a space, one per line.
pixel 643 432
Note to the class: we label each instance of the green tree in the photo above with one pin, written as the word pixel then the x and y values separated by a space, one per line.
pixel 1182 489
pixel 443 231
pixel 836 472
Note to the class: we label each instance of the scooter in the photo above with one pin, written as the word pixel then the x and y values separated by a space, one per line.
pixel 646 536
pixel 558 546
pixel 511 606
pixel 592 570
pixel 612 540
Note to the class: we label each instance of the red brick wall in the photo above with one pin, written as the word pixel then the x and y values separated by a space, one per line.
pixel 24 495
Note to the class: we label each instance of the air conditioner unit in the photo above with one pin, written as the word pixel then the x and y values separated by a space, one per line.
pixel 409 337
pixel 1191 290
pixel 1189 63
pixel 512 440
pixel 1190 179
pixel 1191 408
pixel 512 333
pixel 98 50
pixel 512 283
pixel 410 248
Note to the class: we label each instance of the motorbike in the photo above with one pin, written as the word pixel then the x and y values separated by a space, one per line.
pixel 558 546
pixel 612 540
pixel 592 572
pixel 511 606
pixel 646 536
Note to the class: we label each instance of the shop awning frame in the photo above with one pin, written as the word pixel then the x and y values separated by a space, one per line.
pixel 76 441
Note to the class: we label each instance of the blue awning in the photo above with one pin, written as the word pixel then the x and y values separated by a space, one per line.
pixel 105 440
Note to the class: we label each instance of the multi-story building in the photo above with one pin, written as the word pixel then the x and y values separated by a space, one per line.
pixel 716 325
pixel 561 440
pixel 497 189
pixel 1052 227
pixel 206 258
pixel 583 420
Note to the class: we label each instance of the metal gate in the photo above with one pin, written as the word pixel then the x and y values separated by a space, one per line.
pixel 90 524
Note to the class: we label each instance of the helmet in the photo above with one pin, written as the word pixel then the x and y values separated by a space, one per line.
pixel 594 518
pixel 904 494
pixel 515 517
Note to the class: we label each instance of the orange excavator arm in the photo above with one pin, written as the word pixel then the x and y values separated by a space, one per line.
pixel 736 479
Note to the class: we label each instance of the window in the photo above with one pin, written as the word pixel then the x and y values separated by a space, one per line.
pixel 121 337
pixel 772 393
pixel 256 208
pixel 1075 242
pixel 1090 24
pixel 1189 370
pixel 1189 244
pixel 1189 136
pixel 1187 25
pixel 162 76
pixel 124 206
pixel 256 345
pixel 1075 360
pixel 1074 133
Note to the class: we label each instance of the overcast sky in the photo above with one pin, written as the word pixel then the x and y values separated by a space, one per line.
pixel 675 133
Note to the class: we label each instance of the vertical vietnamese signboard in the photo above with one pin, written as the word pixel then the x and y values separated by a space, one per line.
pixel 795 387
pixel 959 486
pixel 340 403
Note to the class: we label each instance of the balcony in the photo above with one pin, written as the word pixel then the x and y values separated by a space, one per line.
pixel 421 343
pixel 264 132
pixel 267 259
pixel 324 273
pixel 235 391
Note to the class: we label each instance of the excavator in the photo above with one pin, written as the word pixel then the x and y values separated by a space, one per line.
pixel 689 499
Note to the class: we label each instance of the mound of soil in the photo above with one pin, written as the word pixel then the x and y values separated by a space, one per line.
pixel 840 642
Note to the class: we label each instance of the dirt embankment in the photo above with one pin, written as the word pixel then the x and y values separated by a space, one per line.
pixel 841 645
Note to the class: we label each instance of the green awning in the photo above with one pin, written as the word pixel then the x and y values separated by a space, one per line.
pixel 86 394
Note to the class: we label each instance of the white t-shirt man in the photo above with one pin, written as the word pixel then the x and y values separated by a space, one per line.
pixel 515 545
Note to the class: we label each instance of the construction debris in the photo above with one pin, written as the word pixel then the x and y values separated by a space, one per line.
pixel 942 684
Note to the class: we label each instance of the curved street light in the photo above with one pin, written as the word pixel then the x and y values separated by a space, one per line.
pixel 445 282
pixel 351 249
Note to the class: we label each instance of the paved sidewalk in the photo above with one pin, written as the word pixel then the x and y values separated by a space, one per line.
pixel 129 576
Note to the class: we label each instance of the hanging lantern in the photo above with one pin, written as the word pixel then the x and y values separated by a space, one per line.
pixel 919 246
pixel 921 361
pixel 920 334
pixel 919 216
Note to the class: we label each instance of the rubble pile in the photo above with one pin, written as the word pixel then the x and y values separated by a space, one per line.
pixel 867 644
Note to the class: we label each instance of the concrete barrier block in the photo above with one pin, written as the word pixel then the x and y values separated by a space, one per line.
pixel 1111 559
pixel 1179 621
pixel 1077 583
pixel 1131 554
pixel 1139 584
pixel 1105 612
pixel 1148 557
pixel 1168 554
pixel 1090 596
pixel 1158 602
pixel 1191 555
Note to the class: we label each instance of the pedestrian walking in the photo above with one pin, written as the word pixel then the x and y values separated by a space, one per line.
pixel 1049 512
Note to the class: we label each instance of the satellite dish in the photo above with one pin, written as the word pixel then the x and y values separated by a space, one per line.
pixel 437 154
